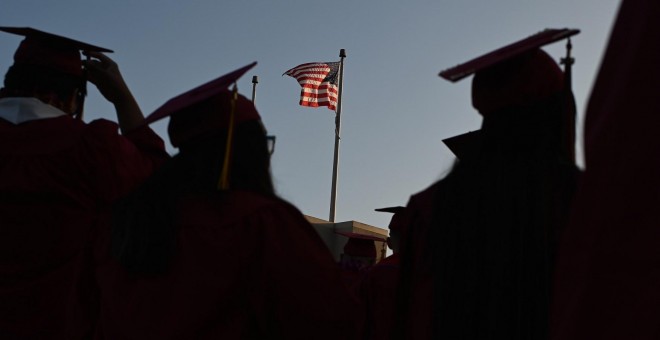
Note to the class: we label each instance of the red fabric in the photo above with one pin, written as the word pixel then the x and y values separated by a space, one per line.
pixel 57 178
pixel 351 275
pixel 607 276
pixel 377 291
pixel 417 289
pixel 247 267
pixel 35 52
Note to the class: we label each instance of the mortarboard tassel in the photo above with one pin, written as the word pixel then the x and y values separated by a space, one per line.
pixel 568 134
pixel 80 96
pixel 223 183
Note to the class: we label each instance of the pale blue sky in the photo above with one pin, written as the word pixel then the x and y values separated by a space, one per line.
pixel 396 110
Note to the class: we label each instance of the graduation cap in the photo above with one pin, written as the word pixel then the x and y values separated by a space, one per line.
pixel 465 144
pixel 393 210
pixel 515 75
pixel 398 221
pixel 207 108
pixel 538 40
pixel 197 95
pixel 360 244
pixel 204 108
pixel 49 50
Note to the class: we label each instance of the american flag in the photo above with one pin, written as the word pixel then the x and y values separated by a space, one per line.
pixel 319 83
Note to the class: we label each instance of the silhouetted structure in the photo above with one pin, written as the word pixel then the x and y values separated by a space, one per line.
pixel 328 231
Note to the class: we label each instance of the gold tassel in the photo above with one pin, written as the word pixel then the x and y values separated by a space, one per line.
pixel 223 183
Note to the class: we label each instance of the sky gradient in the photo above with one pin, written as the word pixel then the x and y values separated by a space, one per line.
pixel 395 108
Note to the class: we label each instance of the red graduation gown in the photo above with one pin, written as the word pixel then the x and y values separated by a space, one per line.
pixel 57 177
pixel 417 270
pixel 608 279
pixel 378 290
pixel 416 285
pixel 246 267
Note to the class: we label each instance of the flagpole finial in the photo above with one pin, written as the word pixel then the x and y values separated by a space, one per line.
pixel 342 53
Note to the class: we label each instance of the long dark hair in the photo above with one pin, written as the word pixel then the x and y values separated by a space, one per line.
pixel 144 233
pixel 496 219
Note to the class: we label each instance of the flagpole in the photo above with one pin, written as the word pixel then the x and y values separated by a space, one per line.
pixel 255 81
pixel 335 164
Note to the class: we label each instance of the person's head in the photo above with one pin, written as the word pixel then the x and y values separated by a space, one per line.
pixel 201 134
pixel 523 102
pixel 210 116
pixel 394 241
pixel 517 82
pixel 360 250
pixel 523 95
pixel 397 225
pixel 48 67
pixel 50 86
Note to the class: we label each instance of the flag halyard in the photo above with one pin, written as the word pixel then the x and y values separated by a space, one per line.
pixel 318 83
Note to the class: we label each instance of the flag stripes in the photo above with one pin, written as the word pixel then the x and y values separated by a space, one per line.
pixel 318 83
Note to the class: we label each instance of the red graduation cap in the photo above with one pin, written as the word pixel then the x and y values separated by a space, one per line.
pixel 519 74
pixel 360 244
pixel 207 108
pixel 464 144
pixel 517 48
pixel 399 220
pixel 49 50
pixel 198 94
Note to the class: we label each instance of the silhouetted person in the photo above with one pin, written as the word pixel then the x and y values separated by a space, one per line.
pixel 607 274
pixel 204 251
pixel 485 258
pixel 358 256
pixel 397 226
pixel 378 287
pixel 58 178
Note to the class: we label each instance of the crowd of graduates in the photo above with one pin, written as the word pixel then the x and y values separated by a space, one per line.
pixel 103 235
